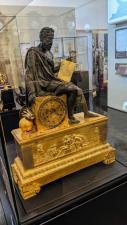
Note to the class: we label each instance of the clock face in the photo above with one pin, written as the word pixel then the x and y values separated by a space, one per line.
pixel 52 112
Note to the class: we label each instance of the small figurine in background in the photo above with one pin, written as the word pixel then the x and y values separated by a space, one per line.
pixel 72 56
pixel 3 79
pixel 7 98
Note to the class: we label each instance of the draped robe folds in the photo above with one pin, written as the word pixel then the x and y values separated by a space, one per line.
pixel 40 77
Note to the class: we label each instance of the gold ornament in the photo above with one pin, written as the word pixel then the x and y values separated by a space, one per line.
pixel 52 112
pixel 25 125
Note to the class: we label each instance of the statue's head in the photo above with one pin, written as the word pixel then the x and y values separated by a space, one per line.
pixel 46 37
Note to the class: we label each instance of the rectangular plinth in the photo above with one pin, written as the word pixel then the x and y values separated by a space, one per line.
pixel 43 147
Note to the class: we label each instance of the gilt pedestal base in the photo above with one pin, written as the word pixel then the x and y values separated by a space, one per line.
pixel 60 152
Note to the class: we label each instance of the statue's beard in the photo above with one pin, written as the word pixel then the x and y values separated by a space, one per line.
pixel 46 46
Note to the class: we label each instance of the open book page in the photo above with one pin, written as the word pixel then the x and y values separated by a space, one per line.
pixel 66 70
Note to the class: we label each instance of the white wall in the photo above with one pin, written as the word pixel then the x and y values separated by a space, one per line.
pixel 93 13
pixel 117 85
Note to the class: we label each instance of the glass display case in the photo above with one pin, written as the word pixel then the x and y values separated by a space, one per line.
pixel 17 36
pixel 57 196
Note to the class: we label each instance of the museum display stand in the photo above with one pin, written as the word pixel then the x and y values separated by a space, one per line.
pixel 96 189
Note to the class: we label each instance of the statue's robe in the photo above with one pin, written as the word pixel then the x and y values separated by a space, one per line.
pixel 40 76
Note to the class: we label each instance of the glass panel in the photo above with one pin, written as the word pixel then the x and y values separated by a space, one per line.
pixel 17 37
pixel 82 52
pixel 9 8
pixel 11 63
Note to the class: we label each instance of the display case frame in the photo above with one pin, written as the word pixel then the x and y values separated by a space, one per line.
pixel 59 198
pixel 120 40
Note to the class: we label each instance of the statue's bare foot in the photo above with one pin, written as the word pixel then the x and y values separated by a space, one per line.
pixel 89 114
pixel 73 120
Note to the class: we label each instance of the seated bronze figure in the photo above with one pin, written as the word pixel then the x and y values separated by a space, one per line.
pixel 41 79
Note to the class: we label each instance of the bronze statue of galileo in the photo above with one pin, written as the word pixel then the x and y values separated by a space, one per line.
pixel 41 79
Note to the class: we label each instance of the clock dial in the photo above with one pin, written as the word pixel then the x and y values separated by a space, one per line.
pixel 52 112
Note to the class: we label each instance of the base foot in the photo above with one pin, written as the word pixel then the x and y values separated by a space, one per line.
pixel 110 157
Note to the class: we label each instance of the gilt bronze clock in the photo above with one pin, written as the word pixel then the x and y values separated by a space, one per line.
pixel 52 112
